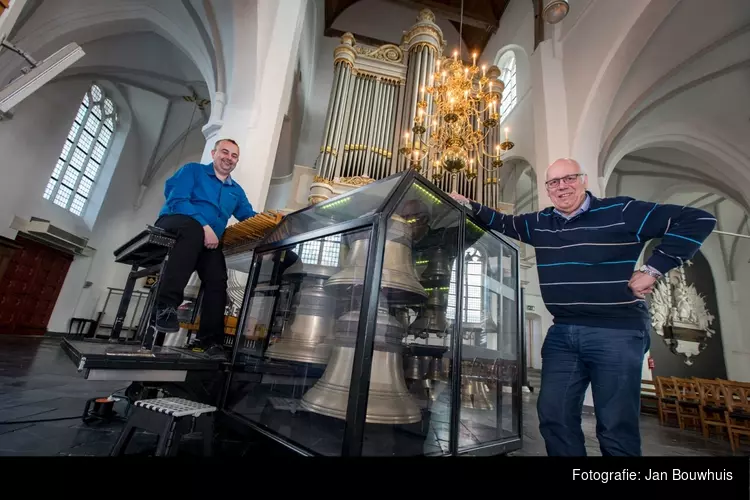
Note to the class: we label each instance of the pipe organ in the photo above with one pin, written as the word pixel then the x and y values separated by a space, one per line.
pixel 371 109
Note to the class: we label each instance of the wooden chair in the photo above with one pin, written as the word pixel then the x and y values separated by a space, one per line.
pixel 688 402
pixel 737 399
pixel 667 398
pixel 712 406
pixel 649 397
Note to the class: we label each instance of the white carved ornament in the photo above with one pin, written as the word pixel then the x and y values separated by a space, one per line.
pixel 675 303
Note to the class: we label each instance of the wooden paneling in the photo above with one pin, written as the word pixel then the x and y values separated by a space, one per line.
pixel 30 287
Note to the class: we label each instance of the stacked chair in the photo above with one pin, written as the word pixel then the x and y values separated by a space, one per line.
pixel 706 404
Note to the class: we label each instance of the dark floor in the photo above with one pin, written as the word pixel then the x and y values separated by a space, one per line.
pixel 39 382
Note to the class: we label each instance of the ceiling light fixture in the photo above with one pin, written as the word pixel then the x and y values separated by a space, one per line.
pixel 555 11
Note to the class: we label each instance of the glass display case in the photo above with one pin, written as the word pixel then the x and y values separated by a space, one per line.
pixel 383 322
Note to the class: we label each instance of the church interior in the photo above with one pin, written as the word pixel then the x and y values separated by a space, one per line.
pixel 364 345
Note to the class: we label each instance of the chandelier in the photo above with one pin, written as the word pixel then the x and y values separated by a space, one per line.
pixel 452 136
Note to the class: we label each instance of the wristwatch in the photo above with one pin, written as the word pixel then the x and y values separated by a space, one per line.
pixel 650 271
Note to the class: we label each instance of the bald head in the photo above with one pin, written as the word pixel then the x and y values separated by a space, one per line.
pixel 562 167
pixel 566 185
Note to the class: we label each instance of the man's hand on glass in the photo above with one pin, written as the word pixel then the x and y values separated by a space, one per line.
pixel 209 237
pixel 461 199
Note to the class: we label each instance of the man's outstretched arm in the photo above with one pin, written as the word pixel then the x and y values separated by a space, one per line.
pixel 518 227
pixel 682 231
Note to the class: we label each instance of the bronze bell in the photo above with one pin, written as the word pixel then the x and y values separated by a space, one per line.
pixel 438 271
pixel 436 277
pixel 432 318
pixel 389 401
pixel 399 277
pixel 474 391
pixel 412 368
pixel 303 336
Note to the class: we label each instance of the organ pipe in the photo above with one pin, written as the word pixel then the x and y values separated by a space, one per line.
pixel 372 104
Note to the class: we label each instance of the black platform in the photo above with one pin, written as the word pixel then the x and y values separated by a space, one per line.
pixel 108 361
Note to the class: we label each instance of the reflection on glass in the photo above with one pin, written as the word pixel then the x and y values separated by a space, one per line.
pixel 288 371
pixel 490 363
pixel 238 271
pixel 411 366
pixel 352 205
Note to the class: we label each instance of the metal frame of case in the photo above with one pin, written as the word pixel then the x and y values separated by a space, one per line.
pixel 360 379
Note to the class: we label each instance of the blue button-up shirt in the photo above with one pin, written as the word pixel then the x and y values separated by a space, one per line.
pixel 195 191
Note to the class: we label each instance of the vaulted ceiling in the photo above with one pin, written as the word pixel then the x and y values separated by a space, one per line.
pixel 481 18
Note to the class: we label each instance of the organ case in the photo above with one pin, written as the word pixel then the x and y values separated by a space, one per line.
pixel 372 105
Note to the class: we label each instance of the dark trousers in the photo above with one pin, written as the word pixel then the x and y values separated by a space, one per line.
pixel 189 254
pixel 611 361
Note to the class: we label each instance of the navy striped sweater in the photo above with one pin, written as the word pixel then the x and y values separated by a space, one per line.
pixel 585 262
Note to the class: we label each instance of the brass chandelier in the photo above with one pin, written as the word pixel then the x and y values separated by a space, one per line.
pixel 465 108
pixel 454 136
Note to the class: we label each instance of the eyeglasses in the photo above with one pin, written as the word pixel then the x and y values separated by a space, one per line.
pixel 568 179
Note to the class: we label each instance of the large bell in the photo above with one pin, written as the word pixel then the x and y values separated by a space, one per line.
pixel 432 318
pixel 438 271
pixel 389 400
pixel 474 391
pixel 303 337
pixel 399 277
pixel 436 277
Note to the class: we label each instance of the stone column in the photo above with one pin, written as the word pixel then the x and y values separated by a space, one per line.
pixel 552 134
pixel 257 127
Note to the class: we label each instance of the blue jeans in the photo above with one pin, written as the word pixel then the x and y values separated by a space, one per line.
pixel 611 360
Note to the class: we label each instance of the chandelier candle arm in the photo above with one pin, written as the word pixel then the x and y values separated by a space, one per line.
pixel 465 111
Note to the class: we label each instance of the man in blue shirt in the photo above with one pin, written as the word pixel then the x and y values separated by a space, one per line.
pixel 586 250
pixel 199 201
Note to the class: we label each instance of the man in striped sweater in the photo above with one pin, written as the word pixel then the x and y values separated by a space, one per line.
pixel 587 249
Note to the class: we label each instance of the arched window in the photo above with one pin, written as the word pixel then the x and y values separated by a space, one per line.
pixel 473 293
pixel 507 66
pixel 83 153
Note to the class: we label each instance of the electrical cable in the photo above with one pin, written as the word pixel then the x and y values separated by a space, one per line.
pixel 57 419
pixel 13 422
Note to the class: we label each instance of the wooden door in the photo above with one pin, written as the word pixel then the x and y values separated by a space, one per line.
pixel 30 287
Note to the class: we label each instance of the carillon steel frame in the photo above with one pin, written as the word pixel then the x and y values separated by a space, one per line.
pixel 376 222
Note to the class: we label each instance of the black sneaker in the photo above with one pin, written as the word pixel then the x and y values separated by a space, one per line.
pixel 166 320
pixel 216 352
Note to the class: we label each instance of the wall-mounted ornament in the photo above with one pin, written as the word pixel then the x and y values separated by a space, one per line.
pixel 679 315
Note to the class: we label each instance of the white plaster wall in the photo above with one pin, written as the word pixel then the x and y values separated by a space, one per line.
pixel 55 24
pixel 696 39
